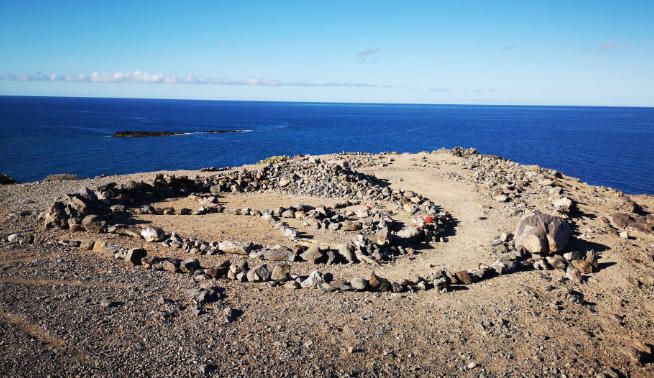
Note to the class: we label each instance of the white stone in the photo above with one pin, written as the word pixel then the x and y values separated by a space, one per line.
pixel 152 234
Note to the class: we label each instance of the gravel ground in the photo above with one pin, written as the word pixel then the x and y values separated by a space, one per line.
pixel 67 312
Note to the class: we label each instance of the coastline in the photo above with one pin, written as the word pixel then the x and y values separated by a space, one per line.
pixel 249 165
pixel 81 129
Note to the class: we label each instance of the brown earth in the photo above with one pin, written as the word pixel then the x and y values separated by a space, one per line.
pixel 534 323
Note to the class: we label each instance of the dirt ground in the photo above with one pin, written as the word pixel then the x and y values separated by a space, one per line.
pixel 54 317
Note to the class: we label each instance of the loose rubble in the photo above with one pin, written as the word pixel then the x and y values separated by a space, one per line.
pixel 359 266
pixel 539 241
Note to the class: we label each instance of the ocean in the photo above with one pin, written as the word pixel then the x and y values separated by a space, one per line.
pixel 43 135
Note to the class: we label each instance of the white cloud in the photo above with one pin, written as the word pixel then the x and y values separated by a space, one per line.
pixel 364 54
pixel 148 78
pixel 440 89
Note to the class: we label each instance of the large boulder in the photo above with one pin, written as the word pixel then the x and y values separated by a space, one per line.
pixel 259 273
pixel 359 284
pixel 153 234
pixel 235 248
pixel 563 205
pixel 347 252
pixel 56 216
pixel 314 280
pixel 135 255
pixel 542 234
pixel 378 283
pixel 313 254
pixel 280 272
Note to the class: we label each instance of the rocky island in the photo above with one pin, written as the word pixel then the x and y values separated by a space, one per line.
pixel 438 263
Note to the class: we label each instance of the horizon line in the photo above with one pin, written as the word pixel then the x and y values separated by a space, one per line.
pixel 333 102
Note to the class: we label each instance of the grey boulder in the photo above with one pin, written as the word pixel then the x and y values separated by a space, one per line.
pixel 152 234
pixel 275 253
pixel 542 234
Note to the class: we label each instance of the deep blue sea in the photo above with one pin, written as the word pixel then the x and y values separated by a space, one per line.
pixel 44 135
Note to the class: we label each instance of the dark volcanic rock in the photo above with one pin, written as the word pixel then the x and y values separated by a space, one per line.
pixel 135 255
pixel 6 179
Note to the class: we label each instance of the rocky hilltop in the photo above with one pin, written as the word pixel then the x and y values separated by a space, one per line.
pixel 438 263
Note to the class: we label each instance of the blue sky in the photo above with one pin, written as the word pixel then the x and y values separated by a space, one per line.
pixel 481 52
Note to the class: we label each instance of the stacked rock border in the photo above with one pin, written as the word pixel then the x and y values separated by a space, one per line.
pixel 376 241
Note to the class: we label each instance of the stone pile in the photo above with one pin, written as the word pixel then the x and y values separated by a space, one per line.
pixel 461 151
pixel 376 239
pixel 83 210
pixel 328 218
pixel 508 180
pixel 383 247
pixel 361 249
pixel 512 257
pixel 540 243
pixel 192 246
pixel 90 209
pixel 278 273
pixel 358 160
pixel 315 177
pixel 305 176
pixel 133 256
